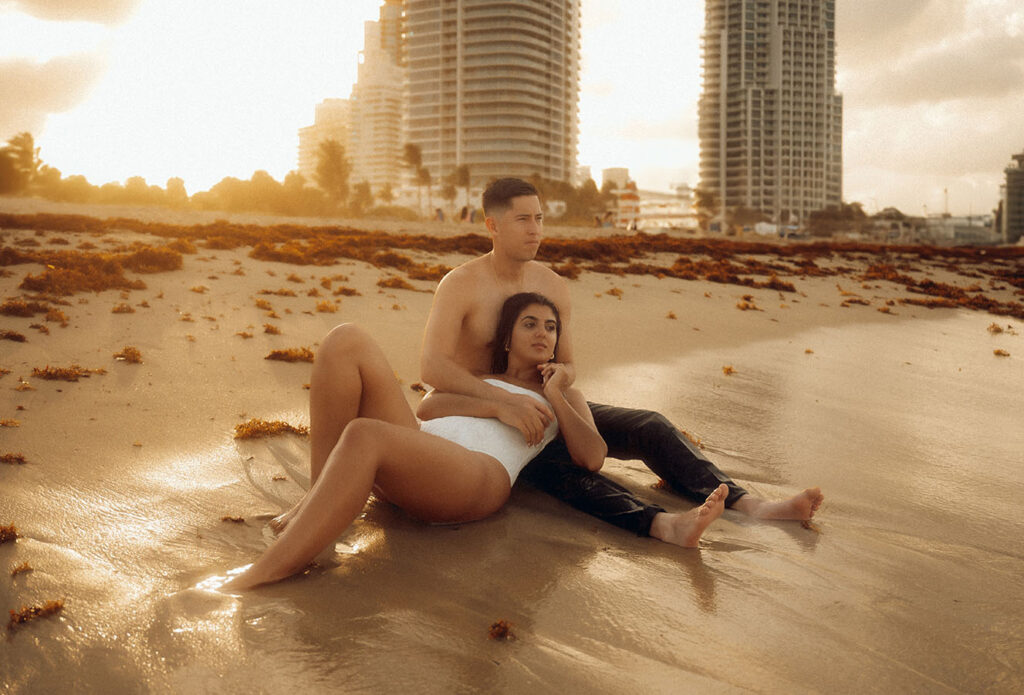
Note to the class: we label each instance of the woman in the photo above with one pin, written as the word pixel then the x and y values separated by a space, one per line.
pixel 464 472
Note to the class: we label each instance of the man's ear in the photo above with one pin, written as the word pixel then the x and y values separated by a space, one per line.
pixel 489 223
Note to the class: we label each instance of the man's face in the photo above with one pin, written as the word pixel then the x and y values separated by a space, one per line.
pixel 518 230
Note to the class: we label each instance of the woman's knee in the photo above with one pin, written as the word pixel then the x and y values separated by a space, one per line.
pixel 363 432
pixel 346 339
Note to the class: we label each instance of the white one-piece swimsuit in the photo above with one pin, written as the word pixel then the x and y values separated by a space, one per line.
pixel 492 436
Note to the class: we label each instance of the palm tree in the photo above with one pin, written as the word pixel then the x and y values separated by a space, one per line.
pixel 412 157
pixel 460 177
pixel 333 170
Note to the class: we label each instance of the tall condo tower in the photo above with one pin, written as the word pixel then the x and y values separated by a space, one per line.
pixel 770 119
pixel 494 85
pixel 1013 201
pixel 375 125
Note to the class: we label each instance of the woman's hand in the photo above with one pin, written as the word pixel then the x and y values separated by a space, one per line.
pixel 555 376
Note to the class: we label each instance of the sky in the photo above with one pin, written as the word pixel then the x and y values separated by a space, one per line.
pixel 933 90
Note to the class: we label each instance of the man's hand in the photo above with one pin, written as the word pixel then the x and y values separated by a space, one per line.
pixel 526 414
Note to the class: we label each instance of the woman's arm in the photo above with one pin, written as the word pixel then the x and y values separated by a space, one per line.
pixel 575 421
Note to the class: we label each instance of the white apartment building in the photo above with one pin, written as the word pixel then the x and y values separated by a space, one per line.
pixel 331 122
pixel 495 86
pixel 375 141
pixel 770 119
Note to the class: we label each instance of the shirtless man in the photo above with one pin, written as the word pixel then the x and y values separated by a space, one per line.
pixel 456 347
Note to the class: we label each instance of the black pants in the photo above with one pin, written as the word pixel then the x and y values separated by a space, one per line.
pixel 630 434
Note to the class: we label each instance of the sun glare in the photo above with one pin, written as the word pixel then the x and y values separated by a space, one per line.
pixel 208 90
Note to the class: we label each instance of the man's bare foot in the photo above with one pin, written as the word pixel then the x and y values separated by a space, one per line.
pixel 799 507
pixel 685 529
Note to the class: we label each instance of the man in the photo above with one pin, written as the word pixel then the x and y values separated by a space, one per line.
pixel 456 348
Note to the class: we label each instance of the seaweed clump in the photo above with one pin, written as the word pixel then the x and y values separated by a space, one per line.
pixel 21 569
pixel 29 613
pixel 129 354
pixel 501 629
pixel 9 533
pixel 12 459
pixel 72 373
pixel 257 429
pixel 12 335
pixel 302 354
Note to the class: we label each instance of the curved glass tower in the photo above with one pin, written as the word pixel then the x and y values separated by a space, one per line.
pixel 494 85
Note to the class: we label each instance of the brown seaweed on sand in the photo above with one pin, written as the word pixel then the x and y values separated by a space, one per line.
pixel 9 533
pixel 129 354
pixel 233 519
pixel 72 373
pixel 502 630
pixel 1000 353
pixel 257 428
pixel 29 613
pixel 21 569
pixel 12 459
pixel 12 336
pixel 301 354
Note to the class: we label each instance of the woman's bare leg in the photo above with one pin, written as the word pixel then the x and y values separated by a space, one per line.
pixel 429 477
pixel 351 378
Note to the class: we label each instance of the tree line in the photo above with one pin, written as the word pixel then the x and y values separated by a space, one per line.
pixel 331 193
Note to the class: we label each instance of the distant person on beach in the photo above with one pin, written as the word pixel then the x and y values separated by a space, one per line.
pixel 456 347
pixel 458 465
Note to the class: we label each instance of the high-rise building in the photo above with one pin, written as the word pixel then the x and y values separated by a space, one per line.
pixel 1013 201
pixel 375 132
pixel 770 119
pixel 331 122
pixel 494 85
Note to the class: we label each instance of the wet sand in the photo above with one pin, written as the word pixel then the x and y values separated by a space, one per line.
pixel 908 419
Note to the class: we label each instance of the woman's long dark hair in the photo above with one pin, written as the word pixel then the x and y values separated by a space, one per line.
pixel 510 311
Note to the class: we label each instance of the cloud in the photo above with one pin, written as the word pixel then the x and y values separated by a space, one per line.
pixel 870 32
pixel 96 11
pixel 981 67
pixel 34 90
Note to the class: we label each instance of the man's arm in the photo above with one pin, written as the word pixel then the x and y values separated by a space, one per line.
pixel 564 354
pixel 440 369
pixel 438 366
pixel 439 404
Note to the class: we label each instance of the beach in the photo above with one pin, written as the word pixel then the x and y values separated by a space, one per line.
pixel 890 378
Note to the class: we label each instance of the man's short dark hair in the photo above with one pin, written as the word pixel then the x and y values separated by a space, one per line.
pixel 499 194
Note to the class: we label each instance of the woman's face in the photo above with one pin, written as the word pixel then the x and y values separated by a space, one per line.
pixel 534 334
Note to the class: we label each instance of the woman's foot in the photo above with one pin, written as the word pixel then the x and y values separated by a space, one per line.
pixel 280 522
pixel 799 507
pixel 685 529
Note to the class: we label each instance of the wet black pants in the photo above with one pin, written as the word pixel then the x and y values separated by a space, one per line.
pixel 630 434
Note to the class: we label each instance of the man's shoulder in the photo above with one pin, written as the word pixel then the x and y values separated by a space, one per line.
pixel 467 272
pixel 541 274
